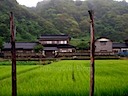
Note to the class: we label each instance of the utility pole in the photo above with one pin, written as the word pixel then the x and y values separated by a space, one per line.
pixel 13 51
pixel 92 53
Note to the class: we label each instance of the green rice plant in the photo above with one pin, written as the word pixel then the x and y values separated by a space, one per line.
pixel 67 78
pixel 8 62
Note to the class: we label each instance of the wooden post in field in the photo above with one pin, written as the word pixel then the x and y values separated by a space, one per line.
pixel 92 53
pixel 13 51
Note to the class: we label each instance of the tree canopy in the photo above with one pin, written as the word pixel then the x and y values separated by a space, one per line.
pixel 38 48
pixel 65 17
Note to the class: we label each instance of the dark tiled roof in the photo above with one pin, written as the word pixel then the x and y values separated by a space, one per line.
pixel 55 37
pixel 66 46
pixel 50 48
pixel 59 45
pixel 119 45
pixel 55 47
pixel 21 45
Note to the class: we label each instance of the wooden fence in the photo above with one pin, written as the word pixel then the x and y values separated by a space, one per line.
pixel 86 54
pixel 38 56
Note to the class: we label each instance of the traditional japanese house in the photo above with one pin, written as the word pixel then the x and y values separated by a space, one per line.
pixel 23 49
pixel 103 46
pixel 118 47
pixel 54 44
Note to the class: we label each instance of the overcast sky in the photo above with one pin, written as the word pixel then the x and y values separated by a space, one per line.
pixel 32 3
pixel 28 3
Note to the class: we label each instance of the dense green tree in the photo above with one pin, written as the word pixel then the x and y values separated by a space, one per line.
pixel 1 43
pixel 38 48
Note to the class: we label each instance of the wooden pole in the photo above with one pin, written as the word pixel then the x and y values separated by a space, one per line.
pixel 92 53
pixel 13 51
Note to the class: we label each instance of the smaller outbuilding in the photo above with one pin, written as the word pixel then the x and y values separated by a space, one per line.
pixel 103 44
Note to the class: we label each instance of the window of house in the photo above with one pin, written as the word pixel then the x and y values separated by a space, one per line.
pixel 61 42
pixel 65 42
pixel 55 42
pixel 49 42
pixel 69 50
pixel 63 50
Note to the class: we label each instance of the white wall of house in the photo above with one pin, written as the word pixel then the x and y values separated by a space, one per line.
pixel 65 50
pixel 54 42
pixel 124 49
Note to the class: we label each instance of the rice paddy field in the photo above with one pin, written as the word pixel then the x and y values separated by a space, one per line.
pixel 66 78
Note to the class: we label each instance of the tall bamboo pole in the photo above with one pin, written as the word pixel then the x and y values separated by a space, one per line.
pixel 92 52
pixel 13 51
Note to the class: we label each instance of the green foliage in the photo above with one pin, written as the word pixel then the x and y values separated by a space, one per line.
pixel 111 78
pixel 38 48
pixel 81 43
pixel 1 42
pixel 65 17
pixel 72 18
pixel 29 25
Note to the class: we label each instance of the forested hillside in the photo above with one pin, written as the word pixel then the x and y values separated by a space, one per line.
pixel 72 17
pixel 28 24
pixel 65 17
